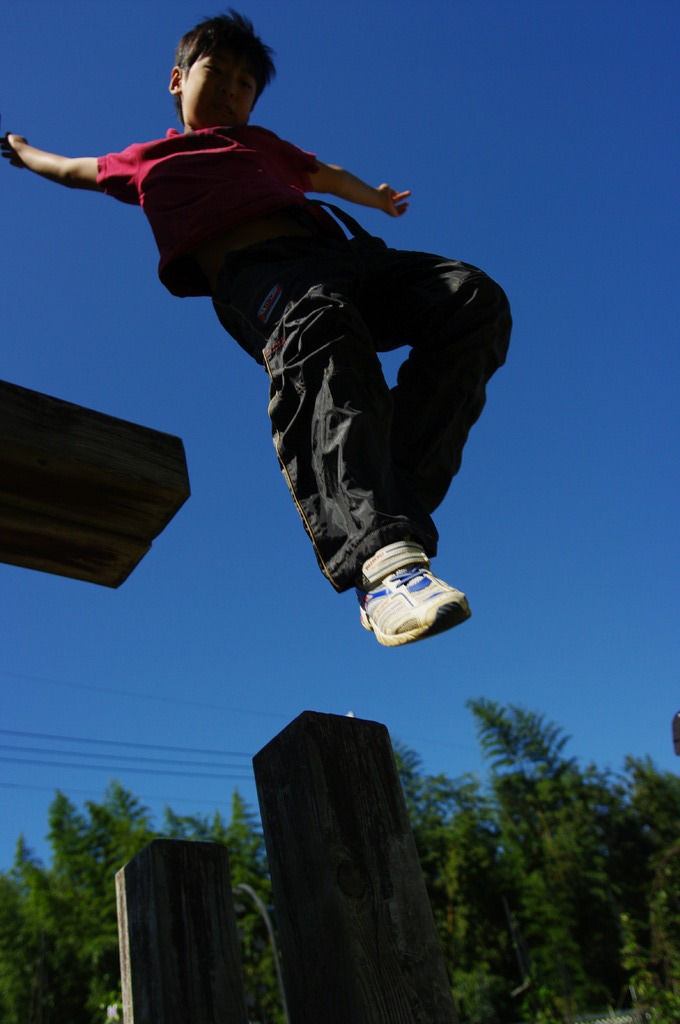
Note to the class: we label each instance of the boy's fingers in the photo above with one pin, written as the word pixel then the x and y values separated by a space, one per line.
pixel 8 150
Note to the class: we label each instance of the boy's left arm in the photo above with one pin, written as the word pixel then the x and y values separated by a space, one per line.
pixel 336 181
pixel 74 172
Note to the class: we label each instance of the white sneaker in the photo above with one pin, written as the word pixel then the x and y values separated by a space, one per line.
pixel 411 604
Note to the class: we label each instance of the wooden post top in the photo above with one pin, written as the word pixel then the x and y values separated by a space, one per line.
pixel 180 954
pixel 357 933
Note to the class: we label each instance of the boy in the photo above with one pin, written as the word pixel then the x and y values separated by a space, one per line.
pixel 227 203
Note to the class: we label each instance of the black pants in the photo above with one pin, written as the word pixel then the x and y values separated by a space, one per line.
pixel 366 465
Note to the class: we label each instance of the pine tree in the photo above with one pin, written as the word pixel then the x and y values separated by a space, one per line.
pixel 554 821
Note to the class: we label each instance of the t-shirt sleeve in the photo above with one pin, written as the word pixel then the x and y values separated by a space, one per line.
pixel 118 174
pixel 298 164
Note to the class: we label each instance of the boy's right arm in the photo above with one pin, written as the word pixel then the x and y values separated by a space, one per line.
pixel 74 172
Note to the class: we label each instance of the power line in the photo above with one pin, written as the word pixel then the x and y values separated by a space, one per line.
pixel 163 698
pixel 124 762
pixel 116 768
pixel 17 749
pixel 257 712
pixel 123 743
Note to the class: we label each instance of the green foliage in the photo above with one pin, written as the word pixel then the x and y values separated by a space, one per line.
pixel 19 944
pixel 555 888
pixel 530 873
pixel 655 969
pixel 58 928
pixel 58 931
pixel 554 820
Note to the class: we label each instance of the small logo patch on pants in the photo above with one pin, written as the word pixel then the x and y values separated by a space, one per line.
pixel 267 307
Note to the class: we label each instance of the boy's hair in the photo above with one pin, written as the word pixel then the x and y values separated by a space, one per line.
pixel 233 32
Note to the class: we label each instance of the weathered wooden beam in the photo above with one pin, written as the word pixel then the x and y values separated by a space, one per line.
pixel 179 949
pixel 82 494
pixel 357 935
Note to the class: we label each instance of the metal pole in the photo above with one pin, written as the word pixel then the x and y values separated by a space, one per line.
pixel 264 914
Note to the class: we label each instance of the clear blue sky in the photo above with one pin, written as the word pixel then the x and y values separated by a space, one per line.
pixel 540 141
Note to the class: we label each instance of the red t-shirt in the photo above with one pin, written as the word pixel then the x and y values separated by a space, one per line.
pixel 193 187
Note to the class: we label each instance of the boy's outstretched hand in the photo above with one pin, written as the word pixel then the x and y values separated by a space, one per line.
pixel 393 202
pixel 338 182
pixel 74 172
pixel 7 143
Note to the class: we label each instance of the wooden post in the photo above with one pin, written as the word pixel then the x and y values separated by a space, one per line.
pixel 179 949
pixel 357 935
pixel 82 494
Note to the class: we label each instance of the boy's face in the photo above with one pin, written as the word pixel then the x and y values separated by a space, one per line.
pixel 216 90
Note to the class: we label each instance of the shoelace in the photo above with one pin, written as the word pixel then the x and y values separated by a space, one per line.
pixel 399 578
pixel 404 577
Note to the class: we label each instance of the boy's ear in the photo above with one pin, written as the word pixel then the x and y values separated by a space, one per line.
pixel 176 80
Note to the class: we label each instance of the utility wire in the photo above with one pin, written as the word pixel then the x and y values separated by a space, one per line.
pixel 123 743
pixel 163 698
pixel 256 712
pixel 18 749
pixel 132 763
pixel 117 768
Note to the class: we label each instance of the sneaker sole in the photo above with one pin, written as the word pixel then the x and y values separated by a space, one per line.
pixel 448 616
